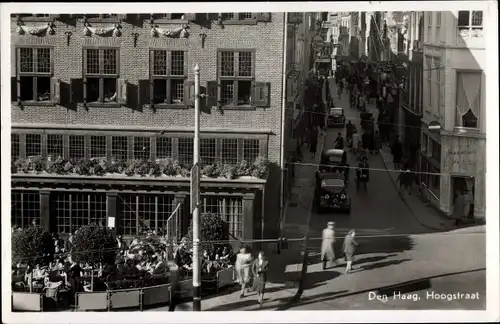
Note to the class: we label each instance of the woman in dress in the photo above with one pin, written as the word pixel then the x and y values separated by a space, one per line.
pixel 259 270
pixel 243 263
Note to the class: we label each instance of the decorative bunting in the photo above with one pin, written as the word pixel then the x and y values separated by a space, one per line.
pixel 36 31
pixel 114 30
pixel 180 32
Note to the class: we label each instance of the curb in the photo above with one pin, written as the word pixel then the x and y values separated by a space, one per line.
pixel 406 203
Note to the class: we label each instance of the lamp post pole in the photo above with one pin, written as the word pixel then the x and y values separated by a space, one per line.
pixel 196 207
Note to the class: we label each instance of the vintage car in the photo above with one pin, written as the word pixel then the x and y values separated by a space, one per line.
pixel 332 159
pixel 331 192
pixel 336 117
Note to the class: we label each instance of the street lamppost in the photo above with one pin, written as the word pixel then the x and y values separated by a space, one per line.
pixel 195 195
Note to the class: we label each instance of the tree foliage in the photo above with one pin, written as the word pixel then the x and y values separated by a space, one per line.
pixel 93 244
pixel 31 245
pixel 212 228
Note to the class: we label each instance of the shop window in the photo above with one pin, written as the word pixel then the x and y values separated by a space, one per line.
pixel 185 151
pixel 144 213
pixel 142 148
pixel 15 151
pixel 207 151
pixel 163 147
pixel 168 77
pixel 33 145
pixel 101 69
pixel 229 148
pixel 25 207
pixel 98 147
pixel 251 150
pixel 76 147
pixel 230 209
pixel 119 148
pixel 54 145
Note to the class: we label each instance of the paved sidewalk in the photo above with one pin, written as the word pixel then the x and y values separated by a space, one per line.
pixel 425 214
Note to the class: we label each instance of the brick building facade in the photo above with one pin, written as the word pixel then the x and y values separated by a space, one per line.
pixel 120 87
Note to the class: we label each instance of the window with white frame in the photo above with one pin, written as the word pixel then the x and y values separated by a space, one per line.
pixel 34 74
pixel 430 16
pixel 436 96
pixel 142 147
pixel 76 147
pixel 470 22
pixel 238 16
pixel 185 151
pixel 55 145
pixel 168 75
pixel 438 26
pixel 250 150
pixel 98 147
pixel 236 74
pixel 163 147
pixel 229 209
pixel 468 99
pixel 229 149
pixel 15 148
pixel 119 148
pixel 207 151
pixel 101 70
pixel 428 68
pixel 74 210
pixel 25 207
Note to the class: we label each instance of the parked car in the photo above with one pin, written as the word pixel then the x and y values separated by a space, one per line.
pixel 336 117
pixel 331 192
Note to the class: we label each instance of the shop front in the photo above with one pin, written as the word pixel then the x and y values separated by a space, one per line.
pixel 464 172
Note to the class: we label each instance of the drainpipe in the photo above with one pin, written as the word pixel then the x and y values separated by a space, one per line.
pixel 283 121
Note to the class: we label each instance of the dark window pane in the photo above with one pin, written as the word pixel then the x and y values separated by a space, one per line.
pixel 92 89
pixel 251 149
pixel 33 144
pixel 245 15
pixel 109 61
pixel 62 210
pixel 186 151
pixel 176 15
pixel 159 62
pixel 229 150
pixel 93 61
pixel 26 60
pixel 469 120
pixel 43 64
pixel 119 148
pixel 141 148
pixel 109 90
pixel 207 150
pixel 98 147
pixel 177 91
pixel 244 92
pixel 165 209
pixel 163 147
pixel 477 18
pixel 31 208
pixel 227 92
pixel 129 214
pixel 55 145
pixel 76 147
pixel 27 83
pixel 79 210
pixel 227 64
pixel 160 91
pixel 14 146
pixel 16 209
pixel 147 213
pixel 177 63
pixel 245 64
pixel 43 88
pixel 228 15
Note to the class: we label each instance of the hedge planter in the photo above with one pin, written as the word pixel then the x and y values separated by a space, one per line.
pixel 142 168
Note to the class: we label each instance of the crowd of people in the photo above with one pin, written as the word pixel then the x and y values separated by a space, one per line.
pixel 143 262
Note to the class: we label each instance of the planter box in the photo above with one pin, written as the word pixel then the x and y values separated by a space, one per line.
pixel 92 301
pixel 27 302
pixel 126 298
pixel 155 295
pixel 225 277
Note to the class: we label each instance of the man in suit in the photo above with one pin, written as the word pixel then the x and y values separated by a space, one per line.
pixel 349 248
pixel 259 269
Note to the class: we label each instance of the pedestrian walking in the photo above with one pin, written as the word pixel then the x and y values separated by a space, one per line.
pixel 397 152
pixel 242 266
pixel 327 244
pixel 349 247
pixel 355 141
pixel 259 271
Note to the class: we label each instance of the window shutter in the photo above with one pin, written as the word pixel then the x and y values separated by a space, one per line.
pixel 190 16
pixel 76 90
pixel 55 90
pixel 13 89
pixel 122 92
pixel 189 93
pixel 212 94
pixel 144 92
pixel 261 94
pixel 264 16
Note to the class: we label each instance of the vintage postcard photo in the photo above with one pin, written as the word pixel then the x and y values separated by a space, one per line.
pixel 325 157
